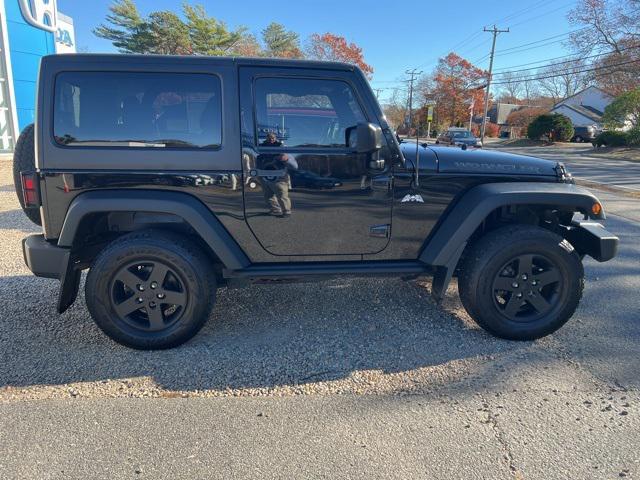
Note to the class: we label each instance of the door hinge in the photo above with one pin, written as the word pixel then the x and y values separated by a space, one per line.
pixel 381 231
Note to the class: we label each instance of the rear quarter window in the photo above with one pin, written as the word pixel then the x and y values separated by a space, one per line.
pixel 137 110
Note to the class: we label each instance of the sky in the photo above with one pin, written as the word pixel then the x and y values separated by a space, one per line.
pixel 393 38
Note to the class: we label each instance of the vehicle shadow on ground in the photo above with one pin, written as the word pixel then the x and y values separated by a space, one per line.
pixel 271 336
pixel 263 337
pixel 17 220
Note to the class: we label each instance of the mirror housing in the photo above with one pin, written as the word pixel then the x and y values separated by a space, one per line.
pixel 364 137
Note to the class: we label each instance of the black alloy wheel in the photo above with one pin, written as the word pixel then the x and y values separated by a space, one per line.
pixel 148 295
pixel 151 289
pixel 527 288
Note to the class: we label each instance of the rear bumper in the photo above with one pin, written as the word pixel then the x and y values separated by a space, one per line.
pixel 593 239
pixel 43 258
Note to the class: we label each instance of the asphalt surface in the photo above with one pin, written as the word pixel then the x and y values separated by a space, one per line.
pixel 624 174
pixel 341 379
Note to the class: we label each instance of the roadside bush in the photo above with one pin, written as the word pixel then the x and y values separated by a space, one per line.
pixel 555 126
pixel 624 110
pixel 633 137
pixel 491 130
pixel 611 139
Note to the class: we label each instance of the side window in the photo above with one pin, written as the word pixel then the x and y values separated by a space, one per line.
pixel 118 109
pixel 305 112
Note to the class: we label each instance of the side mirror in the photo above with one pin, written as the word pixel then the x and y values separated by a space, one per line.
pixel 364 137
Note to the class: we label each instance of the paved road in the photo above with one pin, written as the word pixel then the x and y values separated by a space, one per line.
pixel 348 379
pixel 615 172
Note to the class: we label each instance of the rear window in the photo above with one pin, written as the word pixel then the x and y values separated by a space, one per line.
pixel 154 110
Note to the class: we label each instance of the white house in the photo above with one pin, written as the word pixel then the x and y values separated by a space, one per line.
pixel 585 108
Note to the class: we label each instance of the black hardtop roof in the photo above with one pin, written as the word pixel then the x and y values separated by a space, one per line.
pixel 195 59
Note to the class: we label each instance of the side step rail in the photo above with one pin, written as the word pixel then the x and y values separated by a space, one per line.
pixel 283 270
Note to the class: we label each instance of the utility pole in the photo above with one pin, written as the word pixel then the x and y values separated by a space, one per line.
pixel 495 32
pixel 377 90
pixel 413 73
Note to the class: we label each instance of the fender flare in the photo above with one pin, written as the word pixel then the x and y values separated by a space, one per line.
pixel 183 205
pixel 445 245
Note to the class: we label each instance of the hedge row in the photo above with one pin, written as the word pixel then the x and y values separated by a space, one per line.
pixel 618 139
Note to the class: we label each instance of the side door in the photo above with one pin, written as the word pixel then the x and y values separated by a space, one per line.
pixel 306 193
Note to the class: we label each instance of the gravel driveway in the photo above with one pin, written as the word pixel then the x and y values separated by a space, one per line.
pixel 383 338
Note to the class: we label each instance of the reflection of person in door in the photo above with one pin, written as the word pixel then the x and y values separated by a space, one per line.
pixel 276 187
pixel 271 141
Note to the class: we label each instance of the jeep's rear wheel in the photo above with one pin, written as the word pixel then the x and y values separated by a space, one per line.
pixel 521 282
pixel 151 290
pixel 24 160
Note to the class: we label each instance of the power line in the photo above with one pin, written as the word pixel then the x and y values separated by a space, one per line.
pixel 523 11
pixel 508 69
pixel 475 47
pixel 471 37
pixel 544 77
pixel 542 15
pixel 539 41
pixel 572 60
pixel 514 52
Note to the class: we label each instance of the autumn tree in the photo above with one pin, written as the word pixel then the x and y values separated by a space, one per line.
pixel 395 109
pixel 513 87
pixel 330 47
pixel 610 29
pixel 619 72
pixel 454 87
pixel 280 42
pixel 604 25
pixel 247 46
pixel 563 80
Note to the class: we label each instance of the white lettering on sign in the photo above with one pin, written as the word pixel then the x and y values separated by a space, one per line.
pixel 40 13
pixel 64 37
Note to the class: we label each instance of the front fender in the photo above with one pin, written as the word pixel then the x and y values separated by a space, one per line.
pixel 444 245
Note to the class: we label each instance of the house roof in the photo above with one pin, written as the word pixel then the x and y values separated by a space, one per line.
pixel 584 110
pixel 591 87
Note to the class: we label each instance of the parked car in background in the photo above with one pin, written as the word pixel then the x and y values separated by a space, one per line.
pixel 585 134
pixel 459 136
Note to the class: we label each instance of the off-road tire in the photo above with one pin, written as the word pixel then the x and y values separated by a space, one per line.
pixel 483 267
pixel 24 160
pixel 189 268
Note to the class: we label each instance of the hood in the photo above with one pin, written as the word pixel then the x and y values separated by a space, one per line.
pixel 428 159
pixel 456 160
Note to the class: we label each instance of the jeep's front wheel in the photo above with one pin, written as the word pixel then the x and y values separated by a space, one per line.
pixel 521 282
pixel 151 290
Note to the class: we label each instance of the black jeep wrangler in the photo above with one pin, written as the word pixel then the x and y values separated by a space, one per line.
pixel 168 177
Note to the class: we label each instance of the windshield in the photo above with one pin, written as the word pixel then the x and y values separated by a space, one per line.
pixel 460 134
